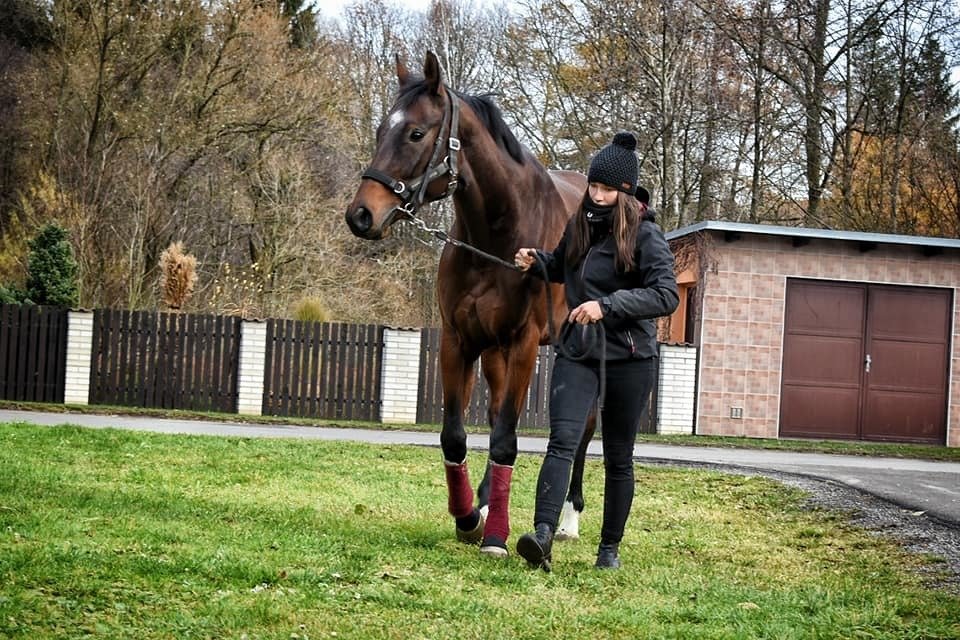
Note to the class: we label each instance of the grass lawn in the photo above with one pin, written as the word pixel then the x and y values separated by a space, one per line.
pixel 115 534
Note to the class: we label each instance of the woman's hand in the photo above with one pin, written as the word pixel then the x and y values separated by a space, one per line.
pixel 524 258
pixel 586 313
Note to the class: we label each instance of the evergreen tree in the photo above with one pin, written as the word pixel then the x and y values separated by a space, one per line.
pixel 933 93
pixel 25 23
pixel 52 269
pixel 11 295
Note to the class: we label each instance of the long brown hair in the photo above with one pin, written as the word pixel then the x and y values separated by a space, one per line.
pixel 627 214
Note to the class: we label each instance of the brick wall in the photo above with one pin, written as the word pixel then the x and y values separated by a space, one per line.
pixel 253 350
pixel 676 389
pixel 76 388
pixel 401 373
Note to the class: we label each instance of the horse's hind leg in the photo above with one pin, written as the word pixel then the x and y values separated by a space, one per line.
pixel 569 526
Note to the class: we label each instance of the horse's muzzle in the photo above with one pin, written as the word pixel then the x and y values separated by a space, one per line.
pixel 363 223
pixel 360 221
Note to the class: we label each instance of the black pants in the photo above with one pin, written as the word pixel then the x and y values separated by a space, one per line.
pixel 573 394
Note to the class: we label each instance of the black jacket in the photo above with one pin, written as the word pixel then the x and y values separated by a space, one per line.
pixel 631 301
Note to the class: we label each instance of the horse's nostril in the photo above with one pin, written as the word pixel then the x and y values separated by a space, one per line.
pixel 360 220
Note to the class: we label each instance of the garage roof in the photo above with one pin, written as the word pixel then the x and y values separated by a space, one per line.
pixel 733 230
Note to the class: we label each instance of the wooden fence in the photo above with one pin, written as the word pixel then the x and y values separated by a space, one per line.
pixel 329 371
pixel 323 370
pixel 33 350
pixel 165 360
pixel 535 413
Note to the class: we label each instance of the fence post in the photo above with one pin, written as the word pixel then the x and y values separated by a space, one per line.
pixel 678 387
pixel 76 383
pixel 253 357
pixel 400 379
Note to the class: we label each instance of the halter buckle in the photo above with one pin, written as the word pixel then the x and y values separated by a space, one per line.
pixel 454 144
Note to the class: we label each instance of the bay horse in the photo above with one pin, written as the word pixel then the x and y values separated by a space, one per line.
pixel 433 143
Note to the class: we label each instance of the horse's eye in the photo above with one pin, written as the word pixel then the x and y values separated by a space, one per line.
pixel 416 135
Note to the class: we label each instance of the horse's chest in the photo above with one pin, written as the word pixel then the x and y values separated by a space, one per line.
pixel 486 314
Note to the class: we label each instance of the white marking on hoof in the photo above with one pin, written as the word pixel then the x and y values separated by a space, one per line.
pixel 484 510
pixel 494 551
pixel 475 536
pixel 569 527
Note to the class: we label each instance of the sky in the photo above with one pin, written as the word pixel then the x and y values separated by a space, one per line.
pixel 332 8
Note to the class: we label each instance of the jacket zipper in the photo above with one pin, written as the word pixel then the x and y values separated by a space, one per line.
pixel 583 282
pixel 633 347
pixel 583 273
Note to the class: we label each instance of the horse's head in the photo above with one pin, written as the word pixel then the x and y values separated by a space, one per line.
pixel 415 160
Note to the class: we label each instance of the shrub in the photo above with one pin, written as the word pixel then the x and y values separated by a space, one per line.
pixel 12 296
pixel 310 310
pixel 178 276
pixel 52 272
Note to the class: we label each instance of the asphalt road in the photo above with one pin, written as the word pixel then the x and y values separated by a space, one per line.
pixel 917 485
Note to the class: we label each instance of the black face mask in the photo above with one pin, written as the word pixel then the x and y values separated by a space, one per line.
pixel 596 213
pixel 599 219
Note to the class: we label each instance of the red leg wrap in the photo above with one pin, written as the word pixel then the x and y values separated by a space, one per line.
pixel 498 518
pixel 459 491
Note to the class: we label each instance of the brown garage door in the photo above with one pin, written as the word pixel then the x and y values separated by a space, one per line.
pixel 865 361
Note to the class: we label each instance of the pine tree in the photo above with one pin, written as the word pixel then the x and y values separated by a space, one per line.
pixel 52 272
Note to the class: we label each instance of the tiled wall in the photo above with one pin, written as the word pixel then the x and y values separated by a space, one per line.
pixel 743 307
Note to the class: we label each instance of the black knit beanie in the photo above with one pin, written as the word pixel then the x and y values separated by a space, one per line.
pixel 616 164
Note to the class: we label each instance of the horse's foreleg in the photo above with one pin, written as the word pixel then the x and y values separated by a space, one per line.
pixel 508 376
pixel 569 526
pixel 457 379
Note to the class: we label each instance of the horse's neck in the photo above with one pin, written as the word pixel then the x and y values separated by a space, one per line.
pixel 490 210
pixel 482 220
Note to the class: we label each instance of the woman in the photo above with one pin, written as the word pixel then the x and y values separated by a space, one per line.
pixel 617 270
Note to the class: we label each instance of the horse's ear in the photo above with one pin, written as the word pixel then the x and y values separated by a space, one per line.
pixel 403 74
pixel 431 72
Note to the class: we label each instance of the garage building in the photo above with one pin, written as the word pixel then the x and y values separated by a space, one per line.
pixel 815 333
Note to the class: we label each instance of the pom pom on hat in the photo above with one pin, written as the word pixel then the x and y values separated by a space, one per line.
pixel 616 165
pixel 626 140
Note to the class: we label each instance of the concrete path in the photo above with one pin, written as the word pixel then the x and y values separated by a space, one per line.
pixel 917 485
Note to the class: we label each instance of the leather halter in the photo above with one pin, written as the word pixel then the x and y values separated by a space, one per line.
pixel 414 192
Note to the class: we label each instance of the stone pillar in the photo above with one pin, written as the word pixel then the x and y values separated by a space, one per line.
pixel 677 389
pixel 253 355
pixel 76 386
pixel 400 380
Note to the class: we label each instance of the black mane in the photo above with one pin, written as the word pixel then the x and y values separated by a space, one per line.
pixel 482 105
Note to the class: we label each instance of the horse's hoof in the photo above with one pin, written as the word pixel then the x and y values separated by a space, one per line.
pixel 494 547
pixel 569 527
pixel 475 535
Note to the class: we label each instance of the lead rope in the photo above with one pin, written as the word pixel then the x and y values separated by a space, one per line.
pixel 443 236
pixel 596 332
pixel 595 329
